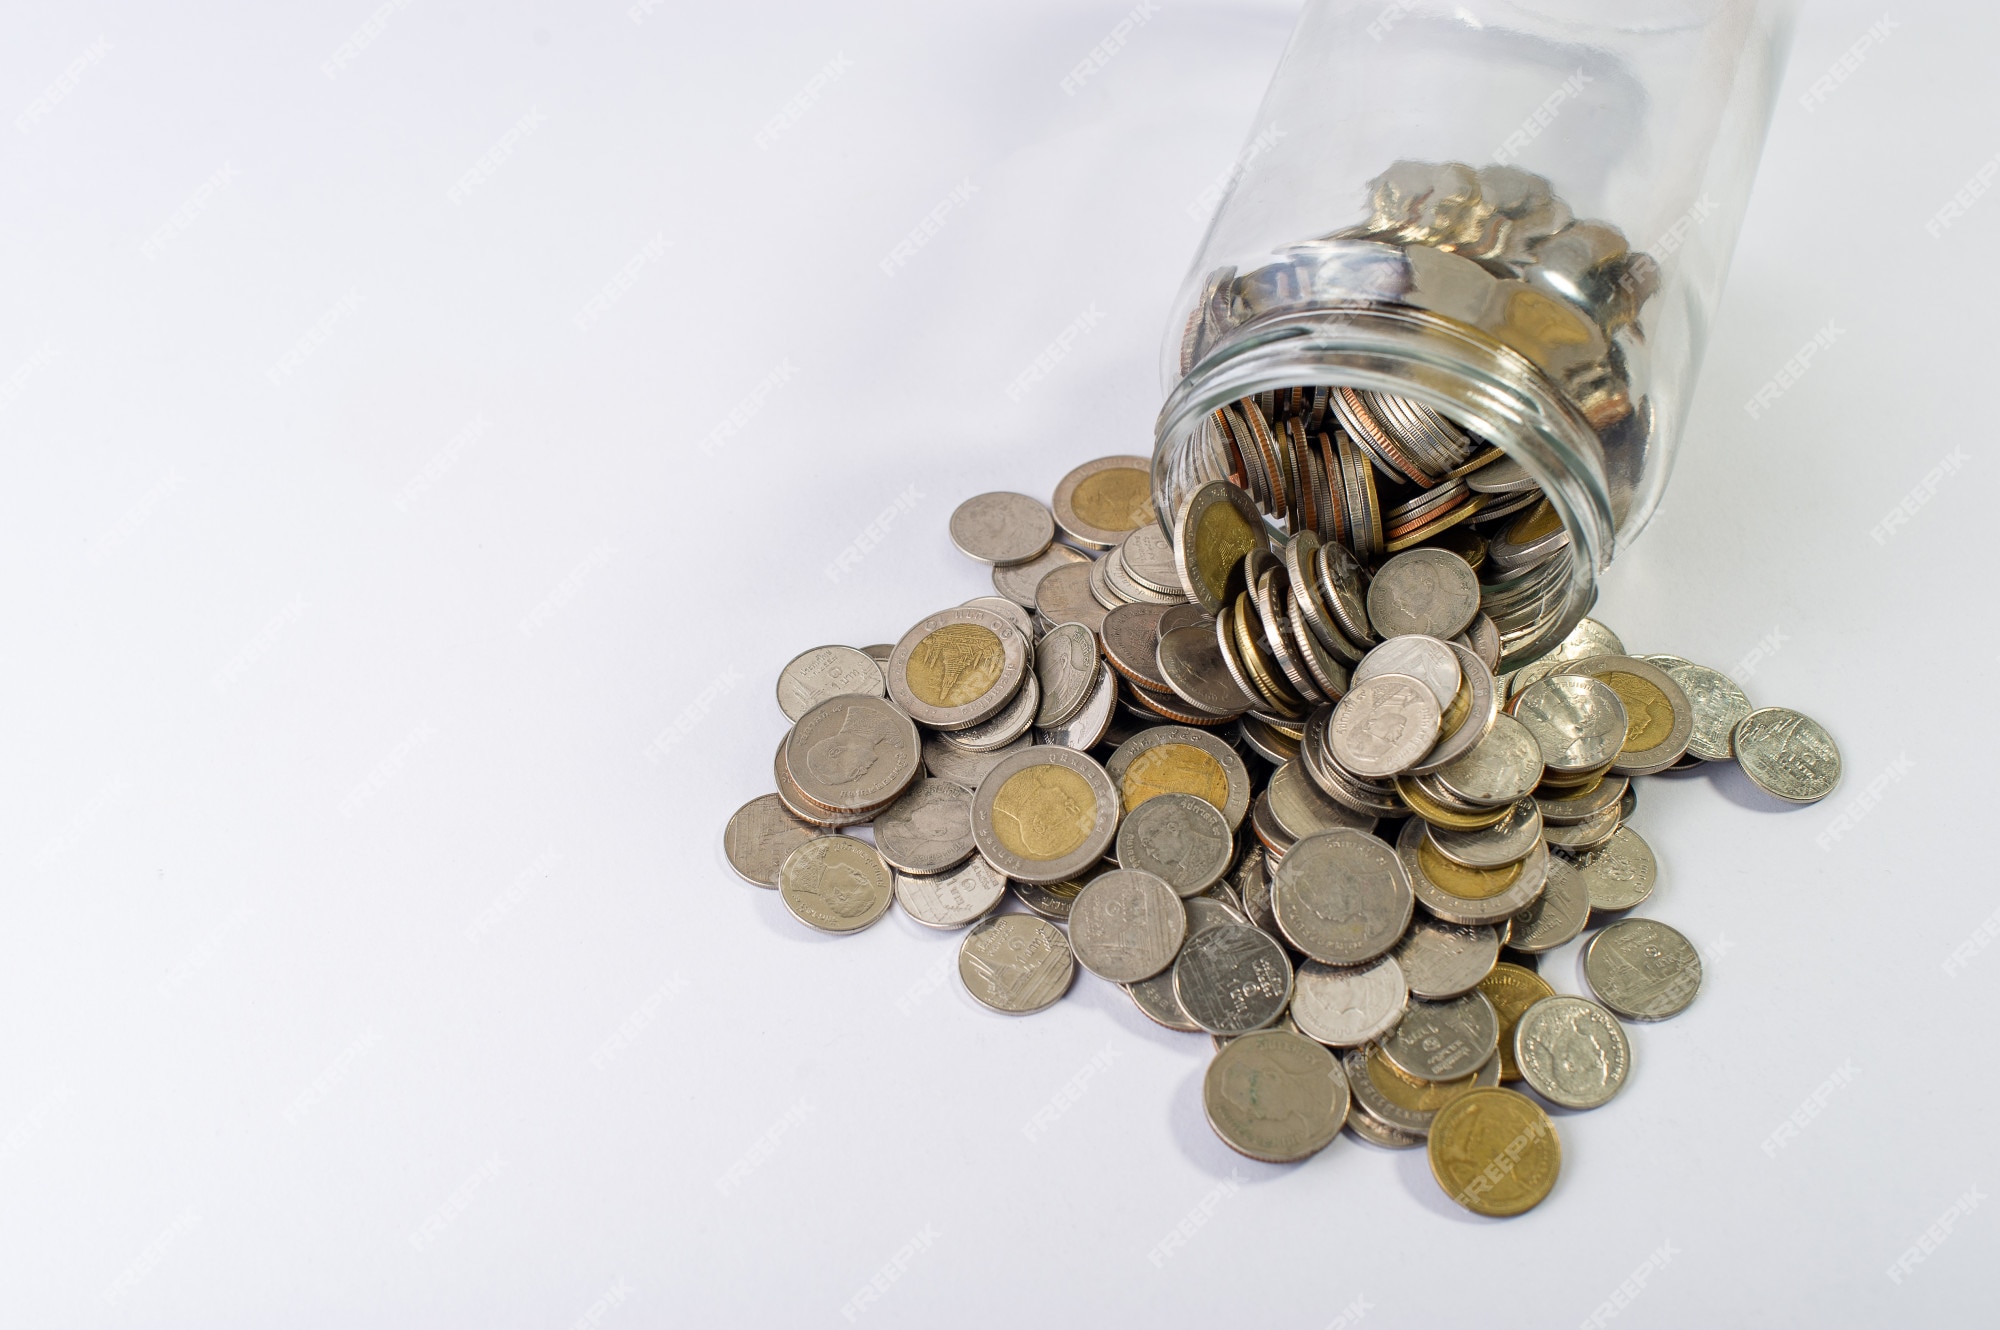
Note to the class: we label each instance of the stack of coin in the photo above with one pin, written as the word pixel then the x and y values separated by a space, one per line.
pixel 1279 798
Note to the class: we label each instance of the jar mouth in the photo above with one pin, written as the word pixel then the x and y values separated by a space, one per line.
pixel 1480 384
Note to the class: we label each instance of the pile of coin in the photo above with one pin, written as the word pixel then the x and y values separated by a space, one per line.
pixel 1274 788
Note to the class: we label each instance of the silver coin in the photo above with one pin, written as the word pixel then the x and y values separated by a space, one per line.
pixel 759 836
pixel 1302 808
pixel 1441 960
pixel 1417 657
pixel 1513 897
pixel 929 829
pixel 1086 729
pixel 804 809
pixel 1339 575
pixel 1588 834
pixel 1578 722
pixel 1018 581
pixel 947 761
pixel 1581 807
pixel 836 884
pixel 1441 1041
pixel 1384 727
pixel 1572 1051
pixel 1588 638
pixel 880 653
pixel 1481 711
pixel 1642 969
pixel 1148 556
pixel 813 676
pixel 1052 900
pixel 1787 754
pixel 1658 712
pixel 1342 897
pixel 1719 706
pixel 1505 476
pixel 1252 880
pixel 1190 659
pixel 1064 596
pixel 1424 590
pixel 1483 640
pixel 1002 528
pixel 1012 723
pixel 957 668
pixel 1502 768
pixel 1015 963
pixel 1347 1006
pixel 1275 1096
pixel 1556 916
pixel 1044 814
pixel 954 898
pixel 1181 839
pixel 853 752
pixel 1185 615
pixel 1126 926
pixel 1506 841
pixel 1154 997
pixel 1232 979
pixel 1165 758
pixel 1066 666
pixel 1617 875
pixel 1373 1130
pixel 1022 619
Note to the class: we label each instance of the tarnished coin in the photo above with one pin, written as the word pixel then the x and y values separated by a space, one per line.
pixel 1131 636
pixel 1436 1041
pixel 929 829
pixel 1384 726
pixel 1572 1051
pixel 947 761
pixel 1015 963
pixel 1191 661
pixel 1275 1096
pixel 836 884
pixel 1578 722
pixel 1044 814
pixel 1102 500
pixel 1002 528
pixel 1719 706
pixel 1347 1006
pixel 1085 730
pixel 1154 997
pixel 1342 897
pixel 1170 759
pixel 1617 875
pixel 759 836
pixel 1556 916
pixel 1494 1152
pixel 951 899
pixel 1512 989
pixel 1302 808
pixel 1405 1102
pixel 814 676
pixel 1217 525
pixel 1417 657
pixel 1064 596
pixel 1507 841
pixel 1423 590
pixel 853 752
pixel 1126 926
pixel 1181 839
pixel 1658 717
pixel 1066 666
pixel 1502 768
pixel 1232 979
pixel 1642 969
pixel 1019 581
pixel 1441 960
pixel 957 667
pixel 1787 754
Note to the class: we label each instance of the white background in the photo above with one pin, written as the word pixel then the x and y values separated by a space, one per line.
pixel 333 852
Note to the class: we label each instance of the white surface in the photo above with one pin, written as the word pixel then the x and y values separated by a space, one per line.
pixel 277 746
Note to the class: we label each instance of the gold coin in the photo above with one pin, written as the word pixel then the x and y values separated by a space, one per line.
pixel 1512 989
pixel 1118 499
pixel 1221 539
pixel 1176 769
pixel 1044 812
pixel 1538 521
pixel 1468 884
pixel 957 664
pixel 1435 813
pixel 1494 1151
pixel 1278 698
pixel 1455 714
pixel 1578 785
pixel 1406 1091
pixel 1649 716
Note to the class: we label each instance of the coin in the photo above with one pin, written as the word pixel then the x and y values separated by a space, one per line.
pixel 1719 705
pixel 1216 526
pixel 1470 717
pixel 853 752
pixel 1191 662
pixel 1482 638
pixel 1658 717
pixel 1015 963
pixel 1018 582
pixel 1617 875
pixel 1383 726
pixel 1501 769
pixel 1087 728
pixel 1349 1005
pixel 927 830
pixel 1154 997
pixel 1275 1096
pixel 1572 1051
pixel 1429 591
pixel 1642 969
pixel 813 676
pixel 1232 979
pixel 957 667
pixel 1593 831
pixel 1787 754
pixel 836 884
pixel 1002 528
pixel 1578 722
pixel 1494 1152
pixel 1102 500
pixel 1404 1101
pixel 802 808
pixel 1441 960
pixel 1460 895
pixel 1417 657
pixel 1507 841
pixel 1302 809
pixel 1556 916
pixel 1375 1131
pixel 1126 925
pixel 1181 839
pixel 1066 666
pixel 1052 900
pixel 1044 813
pixel 1148 555
pixel 759 836
pixel 947 761
pixel 1064 596
pixel 1131 636
pixel 954 898
pixel 1570 809
pixel 1436 1041
pixel 1342 897
pixel 1170 759
pixel 1512 989
pixel 1011 723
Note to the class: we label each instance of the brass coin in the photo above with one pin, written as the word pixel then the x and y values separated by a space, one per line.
pixel 1407 1092
pixel 1101 501
pixel 1044 812
pixel 1512 989
pixel 1472 884
pixel 1176 759
pixel 1494 1152
pixel 955 665
pixel 1435 813
pixel 1217 525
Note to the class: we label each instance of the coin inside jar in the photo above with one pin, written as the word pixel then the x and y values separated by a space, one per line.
pixel 1429 591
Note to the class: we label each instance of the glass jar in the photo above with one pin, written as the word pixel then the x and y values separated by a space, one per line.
pixel 1470 222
